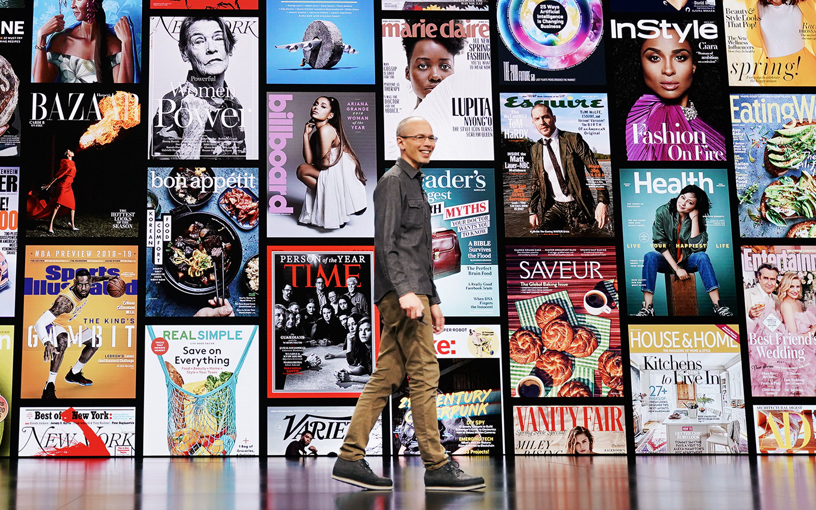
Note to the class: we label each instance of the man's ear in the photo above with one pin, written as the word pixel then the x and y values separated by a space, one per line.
pixel 184 56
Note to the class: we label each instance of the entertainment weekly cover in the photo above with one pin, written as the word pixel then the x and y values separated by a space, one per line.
pixel 9 226
pixel 564 322
pixel 6 378
pixel 469 399
pixel 77 432
pixel 649 200
pixel 100 329
pixel 584 147
pixel 323 325
pixel 202 242
pixel 328 426
pixel 773 159
pixel 784 429
pixel 463 219
pixel 203 110
pixel 445 80
pixel 227 5
pixel 554 42
pixel 203 383
pixel 320 42
pixel 430 5
pixel 339 201
pixel 569 430
pixel 12 60
pixel 779 310
pixel 687 389
pixel 757 55
pixel 678 118
pixel 667 6
pixel 101 132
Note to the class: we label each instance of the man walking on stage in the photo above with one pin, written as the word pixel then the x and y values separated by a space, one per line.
pixel 405 295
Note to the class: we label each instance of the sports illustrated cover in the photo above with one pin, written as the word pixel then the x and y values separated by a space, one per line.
pixel 203 88
pixel 664 6
pixel 555 41
pixel 227 5
pixel 6 378
pixel 469 399
pixel 64 33
pixel 330 195
pixel 202 242
pixel 318 431
pixel 564 322
pixel 86 164
pixel 774 152
pixel 439 69
pixel 687 389
pixel 77 432
pixel 203 383
pixel 556 167
pixel 574 430
pixel 430 5
pixel 326 43
pixel 79 315
pixel 784 429
pixel 463 218
pixel 12 59
pixel 666 71
pixel 678 256
pixel 770 44
pixel 9 226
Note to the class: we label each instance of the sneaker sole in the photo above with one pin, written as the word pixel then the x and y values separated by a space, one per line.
pixel 363 485
pixel 460 489
pixel 79 383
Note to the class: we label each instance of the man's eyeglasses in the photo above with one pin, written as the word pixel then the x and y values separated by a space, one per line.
pixel 421 138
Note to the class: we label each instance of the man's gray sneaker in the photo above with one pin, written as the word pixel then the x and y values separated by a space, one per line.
pixel 450 478
pixel 359 473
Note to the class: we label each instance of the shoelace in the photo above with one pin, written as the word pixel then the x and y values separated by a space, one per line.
pixel 454 468
pixel 366 466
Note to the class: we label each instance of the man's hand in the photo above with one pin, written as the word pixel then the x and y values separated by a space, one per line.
pixel 313 449
pixel 411 305
pixel 755 310
pixel 50 352
pixel 221 308
pixel 438 320
pixel 600 214
pixel 682 273
pixel 534 220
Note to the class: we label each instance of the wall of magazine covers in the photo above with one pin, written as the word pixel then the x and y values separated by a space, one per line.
pixel 188 156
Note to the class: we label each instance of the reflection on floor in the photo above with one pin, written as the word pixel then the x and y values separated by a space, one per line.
pixel 608 483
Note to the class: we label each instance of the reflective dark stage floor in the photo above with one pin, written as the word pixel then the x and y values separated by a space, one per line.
pixel 660 483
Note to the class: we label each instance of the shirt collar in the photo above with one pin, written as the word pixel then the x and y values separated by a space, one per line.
pixel 553 137
pixel 408 168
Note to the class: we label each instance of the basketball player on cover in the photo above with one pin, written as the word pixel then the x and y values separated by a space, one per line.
pixel 51 328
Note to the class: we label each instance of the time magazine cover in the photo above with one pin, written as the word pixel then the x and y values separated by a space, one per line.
pixel 203 382
pixel 329 196
pixel 666 108
pixel 687 389
pixel 536 202
pixel 9 227
pixel 658 206
pixel 573 430
pixel 463 219
pixel 6 378
pixel 285 427
pixel 564 322
pixel 323 325
pixel 784 429
pixel 469 398
pixel 773 159
pixel 12 72
pixel 439 69
pixel 320 43
pixel 72 319
pixel 203 103
pixel 86 164
pixel 202 242
pixel 77 432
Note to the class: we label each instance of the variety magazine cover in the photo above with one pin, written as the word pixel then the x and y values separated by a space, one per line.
pixel 327 425
pixel 581 124
pixel 651 203
pixel 469 398
pixel 784 429
pixel 203 382
pixel 70 314
pixel 77 432
pixel 202 242
pixel 573 430
pixel 12 60
pixel 564 322
pixel 9 227
pixel 773 160
pixel 6 378
pixel 332 195
pixel 323 325
pixel 687 389
pixel 439 69
pixel 203 103
pixel 323 43
pixel 463 219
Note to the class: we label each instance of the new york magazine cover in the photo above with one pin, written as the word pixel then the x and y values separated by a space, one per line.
pixel 327 425
pixel 12 60
pixel 77 432
pixel 6 378
pixel 568 430
pixel 9 227
pixel 227 5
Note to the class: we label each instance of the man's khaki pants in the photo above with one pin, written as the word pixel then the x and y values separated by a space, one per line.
pixel 406 347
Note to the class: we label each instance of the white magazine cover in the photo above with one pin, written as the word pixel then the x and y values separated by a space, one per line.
pixel 327 425
pixel 77 432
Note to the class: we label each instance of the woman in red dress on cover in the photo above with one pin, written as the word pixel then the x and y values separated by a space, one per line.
pixel 64 196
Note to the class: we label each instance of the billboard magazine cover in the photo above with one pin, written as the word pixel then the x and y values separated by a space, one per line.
pixel 329 196
pixel 12 62
pixel 201 106
pixel 563 430
pixel 6 378
pixel 9 227
pixel 580 123
pixel 202 242
pixel 784 429
pixel 77 432
pixel 327 425
pixel 70 314
pixel 439 69
pixel 564 322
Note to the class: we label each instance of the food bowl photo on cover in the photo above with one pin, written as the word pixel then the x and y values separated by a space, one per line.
pixel 250 274
pixel 191 187
pixel 241 206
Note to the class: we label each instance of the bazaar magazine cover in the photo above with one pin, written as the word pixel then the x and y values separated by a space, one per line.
pixel 9 229
pixel 77 432
pixel 13 58
pixel 6 378
pixel 568 430
pixel 327 425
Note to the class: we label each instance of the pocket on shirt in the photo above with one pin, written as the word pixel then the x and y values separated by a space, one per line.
pixel 414 213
